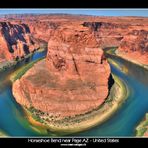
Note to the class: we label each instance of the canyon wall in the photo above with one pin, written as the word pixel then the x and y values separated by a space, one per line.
pixel 16 41
pixel 42 30
pixel 134 46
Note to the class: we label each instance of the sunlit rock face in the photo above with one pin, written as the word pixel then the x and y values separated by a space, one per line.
pixel 134 46
pixel 74 77
pixel 16 41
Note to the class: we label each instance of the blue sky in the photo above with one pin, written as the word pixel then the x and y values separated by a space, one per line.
pixel 98 12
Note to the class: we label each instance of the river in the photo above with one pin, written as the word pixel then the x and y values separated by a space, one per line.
pixel 11 115
pixel 122 123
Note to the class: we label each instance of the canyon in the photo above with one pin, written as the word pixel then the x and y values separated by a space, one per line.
pixel 73 79
pixel 16 41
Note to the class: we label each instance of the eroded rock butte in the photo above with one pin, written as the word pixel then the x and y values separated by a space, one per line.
pixel 74 78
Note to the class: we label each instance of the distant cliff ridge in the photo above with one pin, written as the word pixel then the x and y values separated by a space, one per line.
pixel 21 34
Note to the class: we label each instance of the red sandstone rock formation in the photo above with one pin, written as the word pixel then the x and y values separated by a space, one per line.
pixel 73 80
pixel 15 41
pixel 42 30
pixel 134 46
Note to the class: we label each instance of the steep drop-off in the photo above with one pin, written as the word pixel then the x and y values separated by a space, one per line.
pixel 134 46
pixel 74 78
pixel 16 41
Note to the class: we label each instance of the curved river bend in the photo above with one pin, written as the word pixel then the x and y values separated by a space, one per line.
pixel 122 123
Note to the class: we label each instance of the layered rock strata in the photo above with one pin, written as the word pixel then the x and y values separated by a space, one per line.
pixel 74 78
pixel 134 46
pixel 16 41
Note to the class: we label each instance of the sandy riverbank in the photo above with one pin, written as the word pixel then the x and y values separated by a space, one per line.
pixel 127 58
pixel 3 134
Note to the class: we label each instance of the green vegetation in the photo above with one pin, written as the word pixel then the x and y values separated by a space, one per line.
pixel 112 50
pixel 141 131
pixel 5 65
pixel 142 127
pixel 36 114
pixel 40 116
pixel 20 72
pixel 22 117
pixel 3 134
